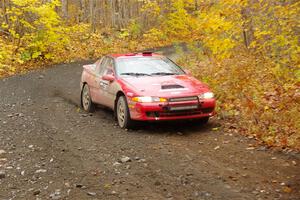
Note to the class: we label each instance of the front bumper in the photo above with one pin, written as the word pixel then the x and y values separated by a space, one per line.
pixel 172 110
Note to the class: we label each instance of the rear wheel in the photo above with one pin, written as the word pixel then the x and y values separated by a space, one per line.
pixel 86 100
pixel 123 114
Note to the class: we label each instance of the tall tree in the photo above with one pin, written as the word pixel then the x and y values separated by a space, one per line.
pixel 64 8
pixel 92 15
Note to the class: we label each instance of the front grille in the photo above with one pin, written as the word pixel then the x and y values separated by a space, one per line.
pixel 185 107
pixel 179 113
pixel 169 113
pixel 178 99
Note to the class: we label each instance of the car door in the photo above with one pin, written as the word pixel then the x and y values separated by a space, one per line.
pixel 107 86
pixel 97 92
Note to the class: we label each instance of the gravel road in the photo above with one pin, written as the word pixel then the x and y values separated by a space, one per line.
pixel 51 149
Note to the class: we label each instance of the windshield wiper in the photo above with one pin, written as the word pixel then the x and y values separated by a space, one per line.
pixel 135 74
pixel 163 73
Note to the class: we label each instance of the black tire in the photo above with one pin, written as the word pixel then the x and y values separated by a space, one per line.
pixel 123 114
pixel 86 100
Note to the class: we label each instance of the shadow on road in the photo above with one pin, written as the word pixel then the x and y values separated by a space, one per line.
pixel 60 94
pixel 181 127
pixel 178 127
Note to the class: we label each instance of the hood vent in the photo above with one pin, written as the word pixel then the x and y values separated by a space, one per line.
pixel 175 86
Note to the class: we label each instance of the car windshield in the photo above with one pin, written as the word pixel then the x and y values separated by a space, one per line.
pixel 146 66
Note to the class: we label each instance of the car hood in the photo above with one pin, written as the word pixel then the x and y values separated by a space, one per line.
pixel 165 86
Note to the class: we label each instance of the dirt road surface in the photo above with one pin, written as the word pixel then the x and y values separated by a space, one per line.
pixel 50 149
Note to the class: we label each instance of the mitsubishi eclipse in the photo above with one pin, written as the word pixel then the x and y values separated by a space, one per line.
pixel 144 87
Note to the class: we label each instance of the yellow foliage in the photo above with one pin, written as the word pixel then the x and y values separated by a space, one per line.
pixel 277 39
pixel 155 35
pixel 34 30
pixel 178 24
pixel 151 8
pixel 249 93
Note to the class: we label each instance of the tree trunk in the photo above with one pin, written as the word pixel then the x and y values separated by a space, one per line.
pixel 92 15
pixel 82 14
pixel 112 7
pixel 5 17
pixel 64 8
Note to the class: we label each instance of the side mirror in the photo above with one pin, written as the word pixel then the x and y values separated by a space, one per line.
pixel 187 71
pixel 108 77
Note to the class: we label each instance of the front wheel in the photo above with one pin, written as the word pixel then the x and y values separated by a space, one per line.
pixel 123 114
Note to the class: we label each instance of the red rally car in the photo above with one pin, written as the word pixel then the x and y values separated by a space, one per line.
pixel 144 87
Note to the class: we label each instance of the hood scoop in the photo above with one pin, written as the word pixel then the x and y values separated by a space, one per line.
pixel 173 86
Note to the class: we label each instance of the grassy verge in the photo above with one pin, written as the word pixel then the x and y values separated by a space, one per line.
pixel 254 97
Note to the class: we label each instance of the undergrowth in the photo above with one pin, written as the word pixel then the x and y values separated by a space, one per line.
pixel 253 95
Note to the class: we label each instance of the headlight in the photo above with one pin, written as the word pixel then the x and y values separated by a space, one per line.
pixel 148 99
pixel 206 95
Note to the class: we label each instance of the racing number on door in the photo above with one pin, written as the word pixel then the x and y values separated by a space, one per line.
pixel 104 84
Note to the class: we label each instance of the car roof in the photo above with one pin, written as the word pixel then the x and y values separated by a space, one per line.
pixel 142 54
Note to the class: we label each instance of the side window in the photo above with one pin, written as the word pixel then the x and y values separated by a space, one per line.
pixel 102 66
pixel 108 68
pixel 98 65
pixel 108 71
